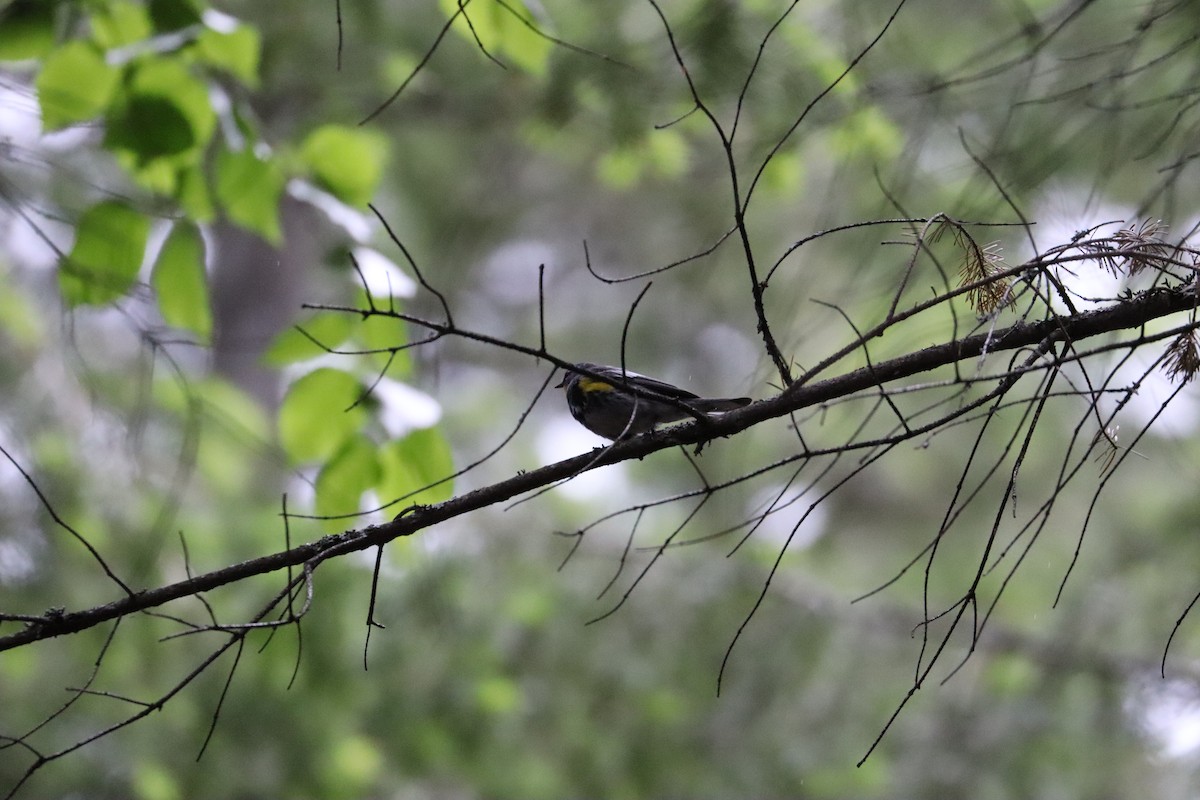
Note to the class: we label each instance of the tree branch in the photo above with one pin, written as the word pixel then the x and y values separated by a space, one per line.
pixel 1130 314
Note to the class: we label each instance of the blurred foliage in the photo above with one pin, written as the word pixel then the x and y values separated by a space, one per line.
pixel 506 151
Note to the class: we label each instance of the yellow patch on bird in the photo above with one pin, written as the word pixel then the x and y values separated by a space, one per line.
pixel 592 385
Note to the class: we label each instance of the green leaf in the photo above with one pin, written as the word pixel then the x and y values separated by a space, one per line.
pixel 153 781
pixel 249 191
pixel 237 52
pixel 620 168
pixel 382 333
pixel 414 462
pixel 355 764
pixel 74 85
pixel 317 417
pixel 667 152
pixel 867 132
pixel 180 282
pixel 21 319
pixel 238 415
pixel 498 694
pixel 171 15
pixel 151 126
pixel 503 30
pixel 166 112
pixel 110 242
pixel 352 470
pixel 784 174
pixel 26 30
pixel 158 175
pixel 117 23
pixel 192 193
pixel 330 328
pixel 229 425
pixel 346 161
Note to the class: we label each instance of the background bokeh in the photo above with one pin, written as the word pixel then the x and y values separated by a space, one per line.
pixel 167 438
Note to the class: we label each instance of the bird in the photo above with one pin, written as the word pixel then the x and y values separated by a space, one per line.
pixel 621 403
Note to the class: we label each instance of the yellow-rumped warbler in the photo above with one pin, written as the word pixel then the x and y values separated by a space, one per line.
pixel 609 407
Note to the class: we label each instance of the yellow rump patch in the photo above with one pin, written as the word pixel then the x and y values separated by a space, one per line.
pixel 592 385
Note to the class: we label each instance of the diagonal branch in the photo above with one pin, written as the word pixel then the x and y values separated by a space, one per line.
pixel 1130 314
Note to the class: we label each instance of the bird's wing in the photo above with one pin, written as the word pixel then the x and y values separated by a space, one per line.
pixel 665 389
pixel 638 379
